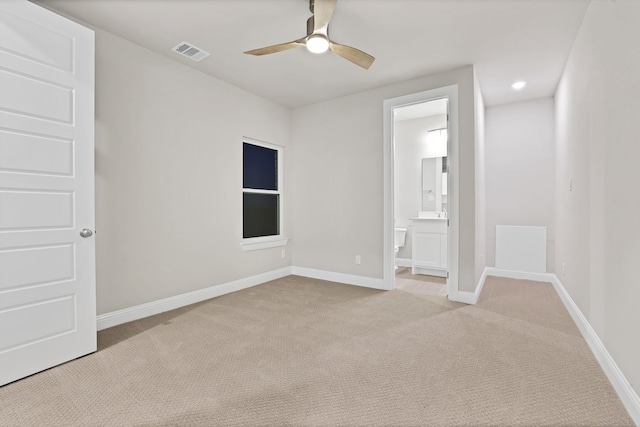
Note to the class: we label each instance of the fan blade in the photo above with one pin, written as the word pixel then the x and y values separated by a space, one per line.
pixel 322 12
pixel 352 54
pixel 276 48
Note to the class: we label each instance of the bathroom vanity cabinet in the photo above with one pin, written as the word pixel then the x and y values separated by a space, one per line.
pixel 429 246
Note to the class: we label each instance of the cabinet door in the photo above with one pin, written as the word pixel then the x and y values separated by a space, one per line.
pixel 427 250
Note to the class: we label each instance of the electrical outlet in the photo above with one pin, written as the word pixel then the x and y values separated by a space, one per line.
pixel 283 253
pixel 358 259
pixel 564 269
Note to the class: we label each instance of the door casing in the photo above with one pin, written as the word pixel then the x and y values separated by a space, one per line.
pixel 451 93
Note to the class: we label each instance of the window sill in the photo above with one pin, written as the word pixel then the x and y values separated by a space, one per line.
pixel 258 243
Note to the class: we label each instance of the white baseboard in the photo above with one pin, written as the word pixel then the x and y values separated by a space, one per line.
pixel 523 275
pixel 141 311
pixel 472 297
pixel 403 262
pixel 349 279
pixel 465 297
pixel 130 314
pixel 436 272
pixel 627 394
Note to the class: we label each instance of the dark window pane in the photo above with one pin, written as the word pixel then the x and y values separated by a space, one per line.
pixel 260 166
pixel 261 215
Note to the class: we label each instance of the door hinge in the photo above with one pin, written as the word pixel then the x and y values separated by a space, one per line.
pixel 447 274
pixel 447 222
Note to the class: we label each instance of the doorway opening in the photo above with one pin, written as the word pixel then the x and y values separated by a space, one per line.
pixel 421 191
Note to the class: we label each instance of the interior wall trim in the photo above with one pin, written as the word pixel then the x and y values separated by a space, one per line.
pixel 522 275
pixel 623 388
pixel 472 297
pixel 403 262
pixel 465 297
pixel 348 279
pixel 451 93
pixel 141 311
pixel 621 385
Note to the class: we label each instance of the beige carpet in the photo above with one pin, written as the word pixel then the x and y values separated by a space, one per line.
pixel 420 283
pixel 298 351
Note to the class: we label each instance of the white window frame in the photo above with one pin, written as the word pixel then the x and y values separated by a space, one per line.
pixel 265 242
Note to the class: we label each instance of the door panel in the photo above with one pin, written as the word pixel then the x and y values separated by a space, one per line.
pixel 32 40
pixel 19 91
pixel 59 311
pixel 21 152
pixel 47 271
pixel 56 264
pixel 35 209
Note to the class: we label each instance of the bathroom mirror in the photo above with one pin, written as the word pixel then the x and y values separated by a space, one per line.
pixel 435 172
pixel 434 184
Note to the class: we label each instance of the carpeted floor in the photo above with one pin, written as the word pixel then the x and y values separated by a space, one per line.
pixel 299 351
pixel 419 283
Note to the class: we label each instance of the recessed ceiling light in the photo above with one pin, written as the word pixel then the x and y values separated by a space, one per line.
pixel 519 85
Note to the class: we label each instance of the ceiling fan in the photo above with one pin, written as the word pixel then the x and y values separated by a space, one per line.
pixel 317 38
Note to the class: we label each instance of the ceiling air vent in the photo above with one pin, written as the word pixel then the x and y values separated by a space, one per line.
pixel 190 51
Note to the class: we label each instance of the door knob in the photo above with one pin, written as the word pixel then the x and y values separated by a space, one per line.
pixel 85 232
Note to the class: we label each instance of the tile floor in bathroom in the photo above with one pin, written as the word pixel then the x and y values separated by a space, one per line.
pixel 419 283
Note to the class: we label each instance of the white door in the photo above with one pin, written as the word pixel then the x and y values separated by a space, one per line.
pixel 47 270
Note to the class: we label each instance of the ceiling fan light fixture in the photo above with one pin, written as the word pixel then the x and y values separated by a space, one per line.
pixel 317 40
pixel 317 44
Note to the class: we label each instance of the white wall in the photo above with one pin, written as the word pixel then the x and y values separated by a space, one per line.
pixel 598 222
pixel 410 149
pixel 520 185
pixel 338 186
pixel 169 176
pixel 480 181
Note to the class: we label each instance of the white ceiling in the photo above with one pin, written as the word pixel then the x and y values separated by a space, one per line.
pixel 506 40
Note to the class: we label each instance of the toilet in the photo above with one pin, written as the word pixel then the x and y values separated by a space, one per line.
pixel 399 238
